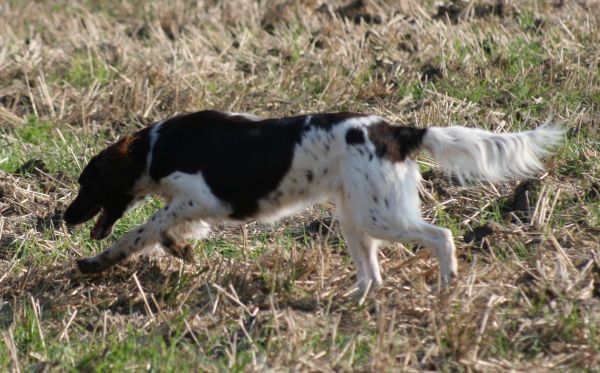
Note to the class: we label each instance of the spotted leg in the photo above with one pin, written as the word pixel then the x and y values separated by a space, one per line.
pixel 384 203
pixel 362 248
pixel 168 226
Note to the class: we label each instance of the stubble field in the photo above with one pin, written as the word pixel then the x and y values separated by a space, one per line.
pixel 74 76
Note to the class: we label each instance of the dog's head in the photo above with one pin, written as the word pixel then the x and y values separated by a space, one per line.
pixel 106 186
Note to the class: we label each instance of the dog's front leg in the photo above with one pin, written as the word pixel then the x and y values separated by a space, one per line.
pixel 130 243
pixel 168 226
pixel 172 239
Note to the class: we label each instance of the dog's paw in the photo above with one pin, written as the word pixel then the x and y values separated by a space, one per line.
pixel 89 266
pixel 449 278
pixel 362 289
pixel 446 280
pixel 187 254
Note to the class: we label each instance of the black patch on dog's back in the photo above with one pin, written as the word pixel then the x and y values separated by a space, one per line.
pixel 241 160
pixel 395 143
pixel 355 136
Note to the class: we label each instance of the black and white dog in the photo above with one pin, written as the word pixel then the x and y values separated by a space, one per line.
pixel 213 166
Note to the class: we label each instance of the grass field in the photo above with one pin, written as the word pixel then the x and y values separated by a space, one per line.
pixel 74 76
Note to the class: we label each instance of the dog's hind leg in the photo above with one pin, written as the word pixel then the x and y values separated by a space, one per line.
pixel 362 248
pixel 394 227
pixel 438 239
pixel 384 203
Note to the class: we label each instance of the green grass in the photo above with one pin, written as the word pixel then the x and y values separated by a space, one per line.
pixel 76 76
pixel 86 70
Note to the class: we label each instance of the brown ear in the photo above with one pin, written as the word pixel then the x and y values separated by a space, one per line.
pixel 118 165
pixel 124 144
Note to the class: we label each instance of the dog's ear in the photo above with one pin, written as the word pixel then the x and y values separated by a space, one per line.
pixel 122 163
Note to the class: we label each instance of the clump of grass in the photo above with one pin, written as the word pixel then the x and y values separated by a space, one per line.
pixel 85 71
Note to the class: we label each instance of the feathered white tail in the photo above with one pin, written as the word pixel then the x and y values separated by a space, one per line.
pixel 475 154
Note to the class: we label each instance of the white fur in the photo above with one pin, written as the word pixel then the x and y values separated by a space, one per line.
pixel 153 138
pixel 245 115
pixel 475 154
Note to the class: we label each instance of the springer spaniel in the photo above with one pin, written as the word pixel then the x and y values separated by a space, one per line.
pixel 214 166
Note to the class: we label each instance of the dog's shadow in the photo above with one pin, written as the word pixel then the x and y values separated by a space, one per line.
pixel 325 230
pixel 144 284
pixel 54 288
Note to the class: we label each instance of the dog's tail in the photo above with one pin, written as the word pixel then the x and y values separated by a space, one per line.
pixel 475 154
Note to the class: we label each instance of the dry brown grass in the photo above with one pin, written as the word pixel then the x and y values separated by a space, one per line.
pixel 74 77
